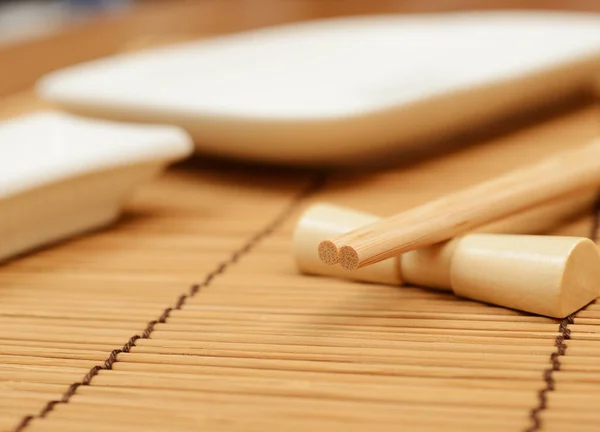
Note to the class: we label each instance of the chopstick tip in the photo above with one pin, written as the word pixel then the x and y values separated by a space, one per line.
pixel 349 258
pixel 328 252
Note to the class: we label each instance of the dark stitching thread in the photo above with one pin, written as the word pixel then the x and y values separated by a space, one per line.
pixel 316 184
pixel 561 348
pixel 24 422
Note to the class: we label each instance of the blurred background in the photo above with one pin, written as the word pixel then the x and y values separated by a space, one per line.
pixel 69 31
pixel 21 19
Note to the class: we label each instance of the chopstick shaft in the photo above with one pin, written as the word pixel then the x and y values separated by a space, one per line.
pixel 470 208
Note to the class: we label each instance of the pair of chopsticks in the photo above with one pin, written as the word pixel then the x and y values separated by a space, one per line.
pixel 465 210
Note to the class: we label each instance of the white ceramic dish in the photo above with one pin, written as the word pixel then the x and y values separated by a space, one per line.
pixel 339 90
pixel 61 175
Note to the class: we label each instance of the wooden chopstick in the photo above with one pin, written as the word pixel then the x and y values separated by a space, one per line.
pixel 465 210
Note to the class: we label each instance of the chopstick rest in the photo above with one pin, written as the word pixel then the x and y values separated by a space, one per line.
pixel 61 175
pixel 546 275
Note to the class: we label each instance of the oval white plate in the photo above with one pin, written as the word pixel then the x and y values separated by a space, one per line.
pixel 340 90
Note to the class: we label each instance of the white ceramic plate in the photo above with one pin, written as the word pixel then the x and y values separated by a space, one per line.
pixel 340 90
pixel 61 175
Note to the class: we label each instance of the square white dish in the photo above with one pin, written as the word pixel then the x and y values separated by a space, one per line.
pixel 61 175
pixel 340 90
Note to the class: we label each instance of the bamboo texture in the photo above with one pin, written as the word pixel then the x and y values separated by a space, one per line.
pixel 189 314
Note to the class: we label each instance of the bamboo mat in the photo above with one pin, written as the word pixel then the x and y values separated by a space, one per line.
pixel 188 314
